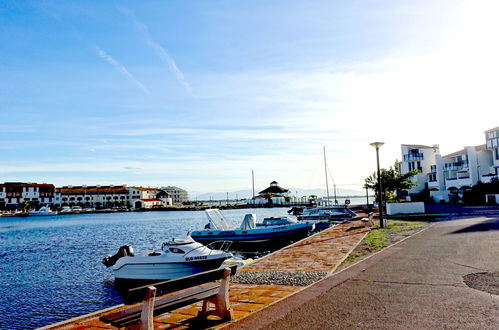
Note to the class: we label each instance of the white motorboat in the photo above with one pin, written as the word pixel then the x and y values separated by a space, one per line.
pixel 43 211
pixel 65 209
pixel 176 258
pixel 252 236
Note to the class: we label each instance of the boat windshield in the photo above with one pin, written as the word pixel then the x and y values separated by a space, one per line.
pixel 176 250
pixel 275 221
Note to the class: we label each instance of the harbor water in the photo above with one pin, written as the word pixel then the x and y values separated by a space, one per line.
pixel 51 266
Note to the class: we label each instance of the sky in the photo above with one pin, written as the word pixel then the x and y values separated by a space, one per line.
pixel 197 94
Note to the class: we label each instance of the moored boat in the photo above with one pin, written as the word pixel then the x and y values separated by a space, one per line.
pixel 176 258
pixel 252 236
pixel 43 211
pixel 323 216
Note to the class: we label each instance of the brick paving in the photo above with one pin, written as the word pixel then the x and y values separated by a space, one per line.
pixel 322 252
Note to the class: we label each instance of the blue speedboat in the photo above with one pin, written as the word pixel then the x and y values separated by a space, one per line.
pixel 252 236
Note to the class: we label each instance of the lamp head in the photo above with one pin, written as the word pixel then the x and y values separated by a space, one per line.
pixel 377 145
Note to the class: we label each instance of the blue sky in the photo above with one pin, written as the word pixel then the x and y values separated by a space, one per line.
pixel 198 93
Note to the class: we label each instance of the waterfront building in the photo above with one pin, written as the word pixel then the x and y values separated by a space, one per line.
pixel 274 194
pixel 461 170
pixel 14 194
pixel 94 196
pixel 111 196
pixel 179 196
pixel 148 203
pixel 423 159
pixel 448 177
pixel 149 197
pixel 492 144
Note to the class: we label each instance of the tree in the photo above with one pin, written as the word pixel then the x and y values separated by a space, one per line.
pixel 268 197
pixel 476 195
pixel 392 182
pixel 25 205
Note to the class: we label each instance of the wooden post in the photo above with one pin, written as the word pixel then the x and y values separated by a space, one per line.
pixel 147 315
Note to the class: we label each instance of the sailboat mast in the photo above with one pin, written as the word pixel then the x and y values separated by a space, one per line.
pixel 253 181
pixel 325 170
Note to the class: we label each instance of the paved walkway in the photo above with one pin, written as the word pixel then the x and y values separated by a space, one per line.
pixel 416 284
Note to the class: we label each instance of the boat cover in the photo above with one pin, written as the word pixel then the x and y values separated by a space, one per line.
pixel 249 221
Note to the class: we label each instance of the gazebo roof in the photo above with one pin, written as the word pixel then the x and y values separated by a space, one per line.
pixel 274 189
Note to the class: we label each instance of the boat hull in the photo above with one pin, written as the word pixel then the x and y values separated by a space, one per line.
pixel 133 274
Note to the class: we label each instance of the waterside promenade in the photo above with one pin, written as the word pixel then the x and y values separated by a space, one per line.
pixel 263 282
pixel 445 276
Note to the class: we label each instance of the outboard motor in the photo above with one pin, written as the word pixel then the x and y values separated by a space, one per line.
pixel 123 251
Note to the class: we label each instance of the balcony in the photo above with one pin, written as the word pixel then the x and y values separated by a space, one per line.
pixel 412 157
pixel 458 182
pixel 455 166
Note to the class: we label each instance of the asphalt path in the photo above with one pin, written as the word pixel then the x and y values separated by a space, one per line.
pixel 415 284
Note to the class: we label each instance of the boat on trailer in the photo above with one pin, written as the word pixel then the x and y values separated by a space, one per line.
pixel 252 236
pixel 176 258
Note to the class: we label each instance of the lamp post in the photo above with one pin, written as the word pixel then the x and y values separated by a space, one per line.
pixel 382 222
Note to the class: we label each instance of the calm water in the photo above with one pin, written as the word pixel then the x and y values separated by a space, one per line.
pixel 50 267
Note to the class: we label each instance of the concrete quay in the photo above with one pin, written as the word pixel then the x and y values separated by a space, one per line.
pixel 262 282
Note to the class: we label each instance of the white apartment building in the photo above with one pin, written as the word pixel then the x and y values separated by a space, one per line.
pixel 178 195
pixel 146 198
pixel 94 196
pixel 111 196
pixel 492 144
pixel 447 177
pixel 421 158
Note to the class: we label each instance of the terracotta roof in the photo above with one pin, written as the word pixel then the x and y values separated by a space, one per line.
pixel 150 200
pixel 144 189
pixel 23 184
pixel 92 189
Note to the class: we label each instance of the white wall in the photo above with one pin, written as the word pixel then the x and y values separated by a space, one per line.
pixel 404 208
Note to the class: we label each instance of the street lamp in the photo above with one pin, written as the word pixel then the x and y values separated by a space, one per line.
pixel 382 222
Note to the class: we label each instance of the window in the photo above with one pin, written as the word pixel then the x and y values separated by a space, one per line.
pixel 175 250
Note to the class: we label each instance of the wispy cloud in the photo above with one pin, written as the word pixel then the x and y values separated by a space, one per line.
pixel 166 58
pixel 159 50
pixel 121 69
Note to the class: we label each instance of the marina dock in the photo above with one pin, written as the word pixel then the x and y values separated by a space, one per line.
pixel 262 282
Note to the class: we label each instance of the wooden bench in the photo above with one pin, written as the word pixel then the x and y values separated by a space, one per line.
pixel 199 288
